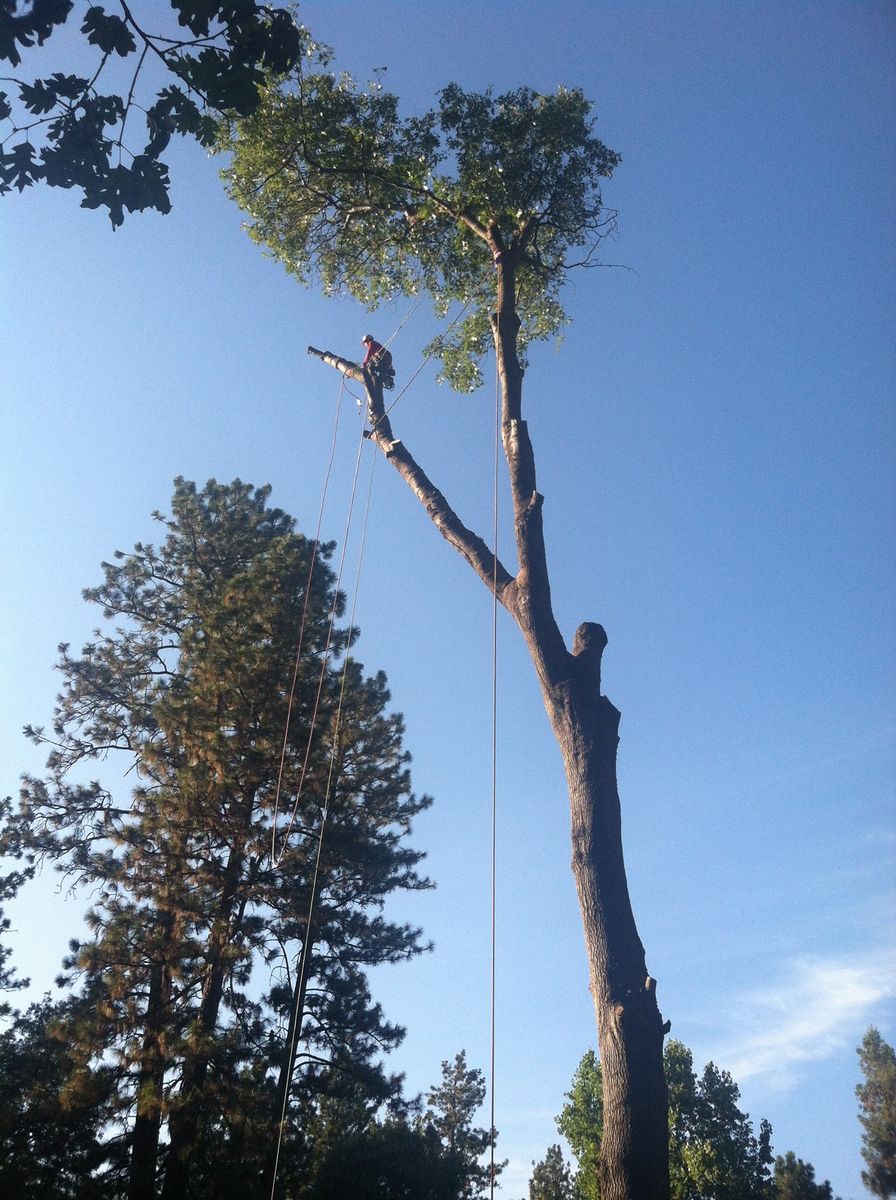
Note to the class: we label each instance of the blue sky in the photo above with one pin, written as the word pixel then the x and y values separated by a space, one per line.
pixel 716 445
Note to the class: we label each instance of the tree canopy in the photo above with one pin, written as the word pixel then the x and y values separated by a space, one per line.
pixel 413 1153
pixel 877 1113
pixel 715 1153
pixel 552 1179
pixel 201 951
pixel 348 193
pixel 795 1180
pixel 582 1120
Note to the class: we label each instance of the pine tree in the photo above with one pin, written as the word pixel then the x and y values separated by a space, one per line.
pixel 451 1108
pixel 877 1113
pixel 9 886
pixel 52 1111
pixel 552 1178
pixel 188 683
pixel 795 1180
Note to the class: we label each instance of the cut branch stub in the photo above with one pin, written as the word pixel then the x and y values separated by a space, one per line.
pixel 588 647
pixel 344 365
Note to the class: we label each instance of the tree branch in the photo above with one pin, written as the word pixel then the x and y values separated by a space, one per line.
pixel 365 171
pixel 484 562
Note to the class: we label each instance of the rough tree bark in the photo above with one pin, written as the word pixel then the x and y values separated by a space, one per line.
pixel 185 1118
pixel 150 1083
pixel 634 1152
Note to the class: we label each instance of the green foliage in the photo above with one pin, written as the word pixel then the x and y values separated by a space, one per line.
pixel 35 24
pixel 582 1120
pixel 795 1180
pixel 188 684
pixel 877 1113
pixel 9 886
pixel 432 1154
pixel 110 33
pixel 714 1154
pixel 349 194
pixel 394 1160
pixel 451 1109
pixel 219 53
pixel 552 1178
pixel 52 1110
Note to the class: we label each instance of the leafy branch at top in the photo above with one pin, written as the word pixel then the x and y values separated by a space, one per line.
pixel 350 194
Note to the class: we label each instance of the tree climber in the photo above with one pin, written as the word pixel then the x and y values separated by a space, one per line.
pixel 378 362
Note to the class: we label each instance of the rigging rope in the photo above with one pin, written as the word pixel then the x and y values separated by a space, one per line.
pixel 297 1013
pixel 275 859
pixel 494 889
pixel 325 661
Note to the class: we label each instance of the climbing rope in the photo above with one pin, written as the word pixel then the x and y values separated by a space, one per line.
pixel 275 859
pixel 494 864
pixel 296 1013
pixel 325 659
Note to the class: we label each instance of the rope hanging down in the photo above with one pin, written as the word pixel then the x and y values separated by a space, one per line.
pixel 296 1016
pixel 275 857
pixel 494 889
pixel 325 661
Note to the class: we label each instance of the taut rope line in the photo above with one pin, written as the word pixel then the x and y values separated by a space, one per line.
pixel 275 860
pixel 494 889
pixel 298 1012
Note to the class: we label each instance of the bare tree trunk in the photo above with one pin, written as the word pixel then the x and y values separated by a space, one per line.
pixel 634 1150
pixel 634 1161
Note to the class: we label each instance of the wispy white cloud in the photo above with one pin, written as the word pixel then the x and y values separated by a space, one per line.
pixel 810 1013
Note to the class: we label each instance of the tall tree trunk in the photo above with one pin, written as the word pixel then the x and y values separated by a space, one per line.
pixel 634 1163
pixel 634 1150
pixel 150 1085
pixel 184 1120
